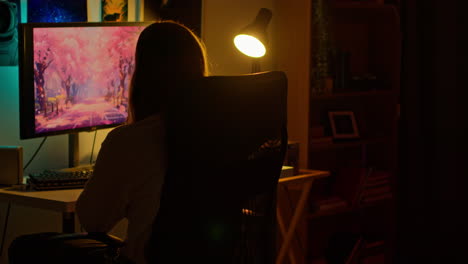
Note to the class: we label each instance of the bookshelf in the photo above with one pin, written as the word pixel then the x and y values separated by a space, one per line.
pixel 372 93
pixel 362 76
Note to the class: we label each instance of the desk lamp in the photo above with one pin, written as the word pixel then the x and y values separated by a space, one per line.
pixel 252 39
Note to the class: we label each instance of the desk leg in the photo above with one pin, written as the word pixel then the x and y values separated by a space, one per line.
pixel 294 221
pixel 68 222
pixel 279 216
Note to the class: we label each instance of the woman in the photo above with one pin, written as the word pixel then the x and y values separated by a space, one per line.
pixel 130 169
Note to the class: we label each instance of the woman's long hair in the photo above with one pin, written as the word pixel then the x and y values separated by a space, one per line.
pixel 166 52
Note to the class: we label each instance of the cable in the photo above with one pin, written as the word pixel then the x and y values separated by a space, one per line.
pixel 92 148
pixel 5 226
pixel 35 153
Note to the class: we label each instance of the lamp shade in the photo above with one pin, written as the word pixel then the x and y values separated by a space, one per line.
pixel 252 39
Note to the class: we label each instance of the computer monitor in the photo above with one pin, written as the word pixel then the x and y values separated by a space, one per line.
pixel 75 76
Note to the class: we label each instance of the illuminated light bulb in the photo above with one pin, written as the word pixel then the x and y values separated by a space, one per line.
pixel 250 46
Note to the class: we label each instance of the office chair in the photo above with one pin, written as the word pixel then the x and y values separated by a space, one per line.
pixel 227 140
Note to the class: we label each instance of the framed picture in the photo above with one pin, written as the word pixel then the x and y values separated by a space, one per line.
pixel 343 124
pixel 53 11
pixel 114 10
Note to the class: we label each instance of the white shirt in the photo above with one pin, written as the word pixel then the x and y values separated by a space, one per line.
pixel 127 181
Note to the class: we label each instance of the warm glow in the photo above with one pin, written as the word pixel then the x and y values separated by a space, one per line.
pixel 250 46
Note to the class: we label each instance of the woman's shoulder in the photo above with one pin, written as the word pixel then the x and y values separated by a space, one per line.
pixel 137 130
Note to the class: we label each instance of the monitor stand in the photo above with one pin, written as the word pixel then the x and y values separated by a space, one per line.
pixel 73 150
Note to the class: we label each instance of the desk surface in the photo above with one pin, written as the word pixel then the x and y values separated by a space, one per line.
pixel 64 200
pixel 305 175
pixel 57 200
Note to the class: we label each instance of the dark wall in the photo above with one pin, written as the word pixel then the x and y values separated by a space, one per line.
pixel 432 204
pixel 187 12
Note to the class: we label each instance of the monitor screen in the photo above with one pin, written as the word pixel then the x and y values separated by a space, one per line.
pixel 75 76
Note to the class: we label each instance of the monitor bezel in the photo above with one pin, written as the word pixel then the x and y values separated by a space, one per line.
pixel 26 76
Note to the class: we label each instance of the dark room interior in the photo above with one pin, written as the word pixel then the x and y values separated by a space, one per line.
pixel 372 169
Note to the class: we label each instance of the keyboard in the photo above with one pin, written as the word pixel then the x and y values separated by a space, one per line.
pixel 71 178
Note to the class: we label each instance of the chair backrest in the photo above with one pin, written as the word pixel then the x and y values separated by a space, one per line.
pixel 227 140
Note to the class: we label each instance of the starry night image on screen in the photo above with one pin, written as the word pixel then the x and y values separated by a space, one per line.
pixel 53 11
pixel 82 75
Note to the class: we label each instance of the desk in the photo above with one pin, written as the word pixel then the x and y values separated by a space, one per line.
pixel 305 179
pixel 62 201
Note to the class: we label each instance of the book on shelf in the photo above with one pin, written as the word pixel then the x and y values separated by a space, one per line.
pixel 371 183
pixel 376 187
pixel 330 203
pixel 376 191
pixel 321 140
pixel 378 176
pixel 360 186
pixel 373 252
pixel 375 244
pixel 348 184
pixel 376 198
pixel 373 259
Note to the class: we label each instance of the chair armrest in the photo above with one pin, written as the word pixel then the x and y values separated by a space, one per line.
pixel 108 239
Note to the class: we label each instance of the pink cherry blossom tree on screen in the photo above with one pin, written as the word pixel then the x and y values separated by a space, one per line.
pixel 121 52
pixel 89 61
pixel 71 58
pixel 60 52
pixel 42 60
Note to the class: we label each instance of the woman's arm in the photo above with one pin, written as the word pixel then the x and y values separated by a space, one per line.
pixel 105 197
